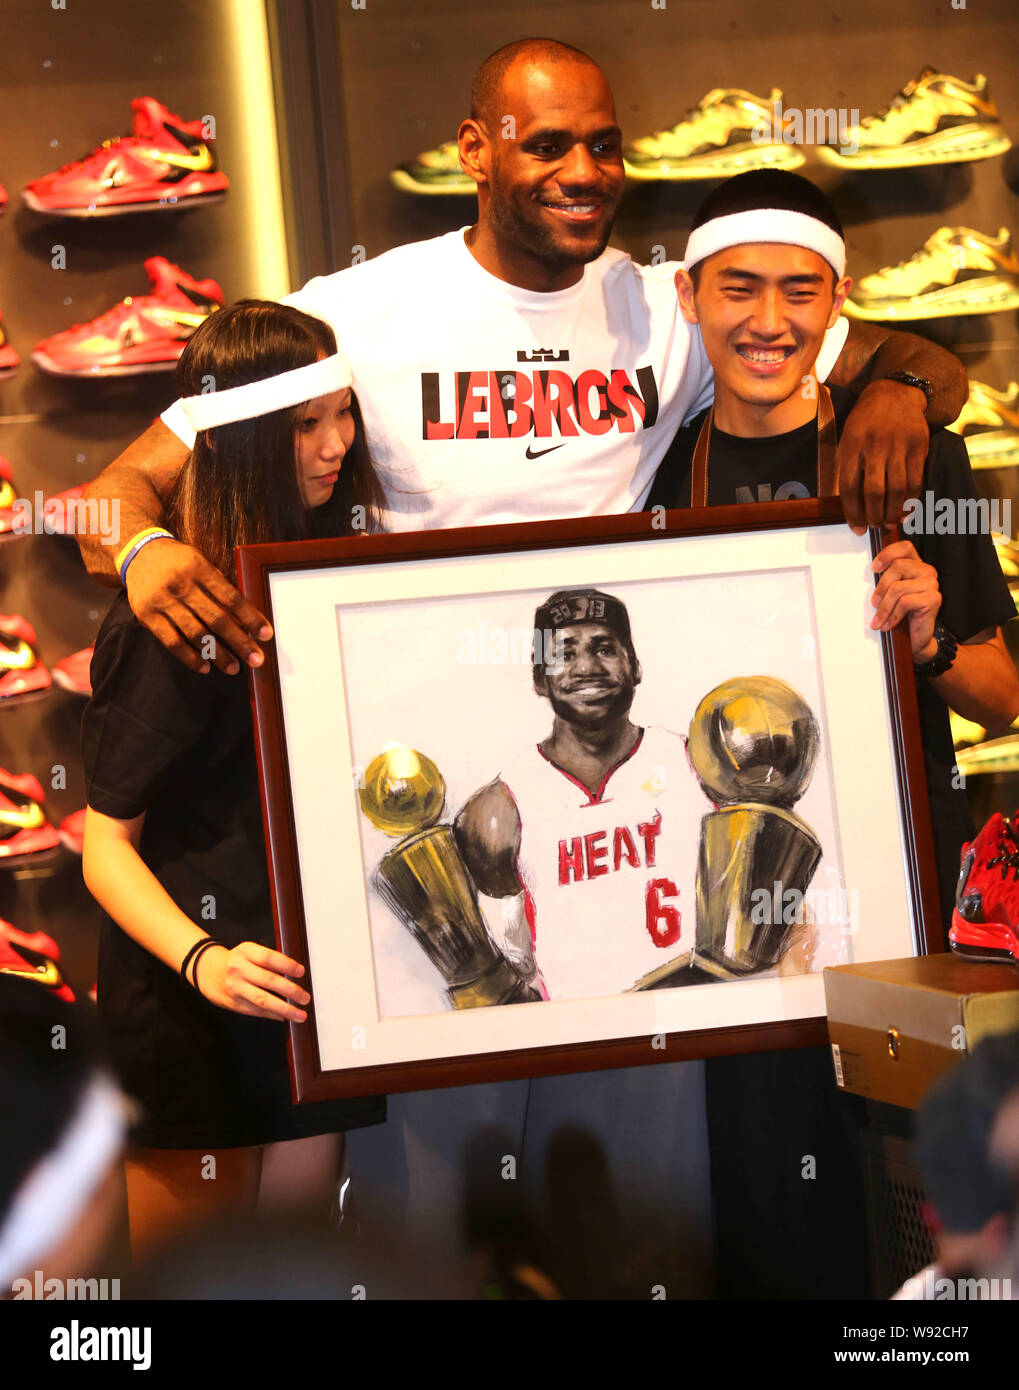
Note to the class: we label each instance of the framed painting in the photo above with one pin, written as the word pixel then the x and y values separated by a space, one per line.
pixel 566 796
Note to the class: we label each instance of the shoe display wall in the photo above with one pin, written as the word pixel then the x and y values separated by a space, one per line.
pixel 122 233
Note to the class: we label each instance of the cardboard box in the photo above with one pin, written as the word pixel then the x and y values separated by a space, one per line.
pixel 896 1025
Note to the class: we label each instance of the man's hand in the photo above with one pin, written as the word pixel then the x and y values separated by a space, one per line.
pixel 882 453
pixel 182 600
pixel 907 590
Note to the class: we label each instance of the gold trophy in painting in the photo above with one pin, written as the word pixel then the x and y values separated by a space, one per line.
pixel 425 882
pixel 753 745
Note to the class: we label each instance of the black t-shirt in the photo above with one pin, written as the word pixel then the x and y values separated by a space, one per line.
pixel 179 746
pixel 974 593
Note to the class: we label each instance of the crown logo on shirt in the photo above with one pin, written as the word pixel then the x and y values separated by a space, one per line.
pixel 543 355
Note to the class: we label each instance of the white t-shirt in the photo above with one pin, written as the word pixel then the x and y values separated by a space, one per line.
pixel 486 403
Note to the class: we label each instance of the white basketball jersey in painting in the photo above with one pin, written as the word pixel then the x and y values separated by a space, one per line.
pixel 610 878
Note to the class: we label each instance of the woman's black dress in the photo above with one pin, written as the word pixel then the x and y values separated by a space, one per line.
pixel 179 746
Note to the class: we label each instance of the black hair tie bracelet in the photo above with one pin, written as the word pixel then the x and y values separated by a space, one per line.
pixel 194 955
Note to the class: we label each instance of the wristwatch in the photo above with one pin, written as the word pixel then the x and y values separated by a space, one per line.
pixel 943 658
pixel 908 379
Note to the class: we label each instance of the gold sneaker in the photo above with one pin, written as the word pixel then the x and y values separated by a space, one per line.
pixel 956 271
pixel 989 424
pixel 935 119
pixel 965 732
pixel 716 138
pixel 999 755
pixel 434 171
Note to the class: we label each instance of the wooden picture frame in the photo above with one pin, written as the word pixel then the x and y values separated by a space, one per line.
pixel 356 623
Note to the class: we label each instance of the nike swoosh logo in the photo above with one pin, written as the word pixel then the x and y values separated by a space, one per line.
pixel 199 162
pixel 541 452
pixel 46 974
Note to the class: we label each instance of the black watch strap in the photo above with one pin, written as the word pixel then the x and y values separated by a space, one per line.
pixel 943 659
pixel 908 379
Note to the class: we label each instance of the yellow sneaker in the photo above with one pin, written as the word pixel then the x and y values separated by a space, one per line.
pixel 956 271
pixel 989 424
pixel 935 119
pixel 434 171
pixel 716 138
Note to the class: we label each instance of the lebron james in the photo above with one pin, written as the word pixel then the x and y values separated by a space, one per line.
pixel 588 843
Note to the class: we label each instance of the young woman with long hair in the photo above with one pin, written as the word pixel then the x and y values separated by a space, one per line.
pixel 192 993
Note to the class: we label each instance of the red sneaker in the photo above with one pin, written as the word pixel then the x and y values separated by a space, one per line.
pixel 986 916
pixel 164 163
pixel 146 334
pixel 9 359
pixel 73 672
pixel 8 496
pixel 55 513
pixel 21 671
pixel 72 831
pixel 32 956
pixel 25 833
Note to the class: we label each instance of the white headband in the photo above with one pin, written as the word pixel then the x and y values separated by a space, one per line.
pixel 214 408
pixel 55 1193
pixel 767 224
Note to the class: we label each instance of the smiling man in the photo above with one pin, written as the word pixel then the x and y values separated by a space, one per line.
pixel 519 369
pixel 764 278
pixel 587 844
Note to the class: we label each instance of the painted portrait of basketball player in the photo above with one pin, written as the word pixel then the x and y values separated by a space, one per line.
pixel 610 856
pixel 589 840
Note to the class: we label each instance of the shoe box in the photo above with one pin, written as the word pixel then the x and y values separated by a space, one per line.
pixel 896 1025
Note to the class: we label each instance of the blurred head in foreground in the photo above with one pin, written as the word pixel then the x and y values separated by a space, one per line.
pixel 970 1192
pixel 60 1144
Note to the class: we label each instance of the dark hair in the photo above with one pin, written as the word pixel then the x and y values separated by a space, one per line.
pixel 766 188
pixel 240 485
pixel 486 89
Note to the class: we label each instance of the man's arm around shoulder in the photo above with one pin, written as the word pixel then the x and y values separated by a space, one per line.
pixel 131 490
pixel 172 589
